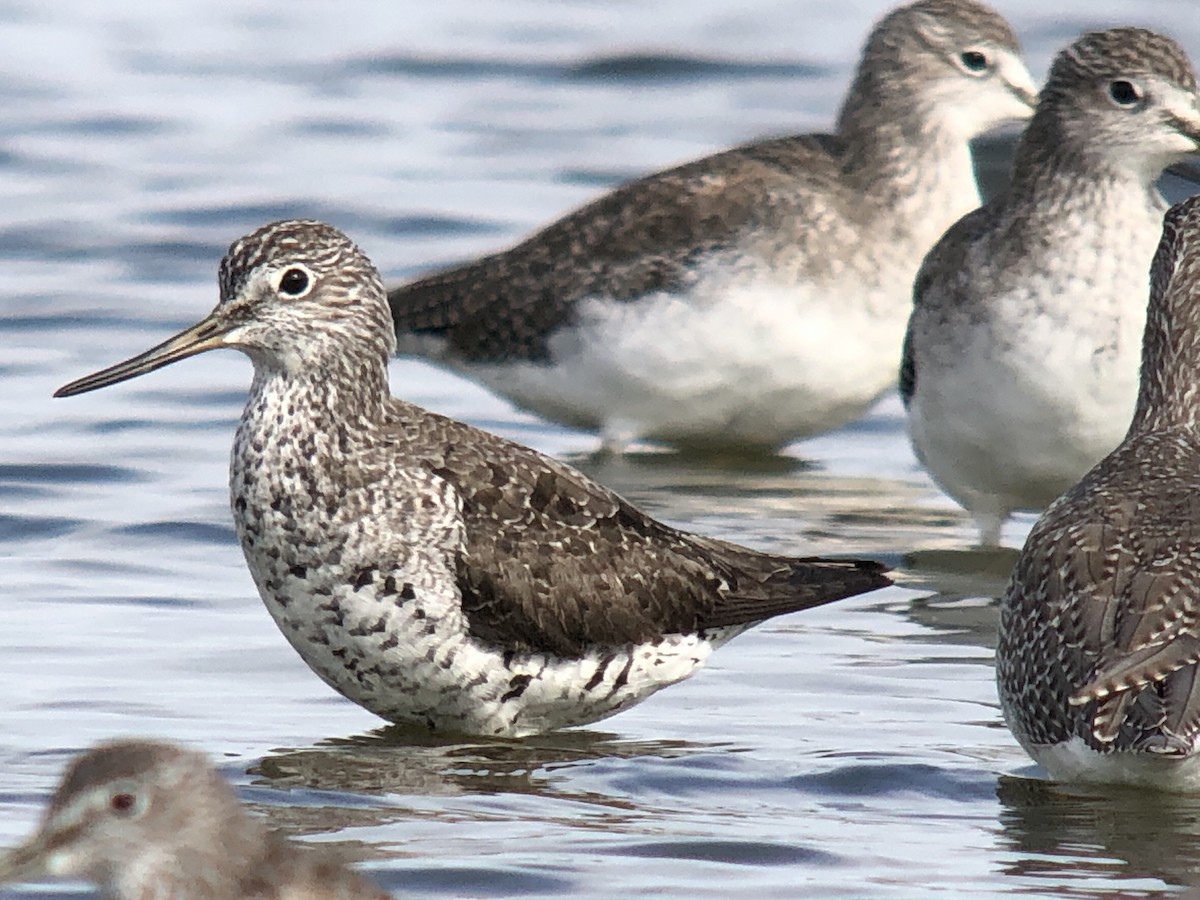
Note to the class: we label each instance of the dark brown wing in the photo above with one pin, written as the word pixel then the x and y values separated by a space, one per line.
pixel 1147 628
pixel 1107 595
pixel 640 237
pixel 554 562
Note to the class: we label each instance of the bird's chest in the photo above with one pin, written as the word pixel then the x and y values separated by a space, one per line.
pixel 1081 277
pixel 298 504
pixel 350 556
pixel 287 505
pixel 1071 313
pixel 371 618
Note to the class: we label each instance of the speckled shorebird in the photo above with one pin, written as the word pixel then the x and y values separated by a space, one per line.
pixel 1099 655
pixel 1021 362
pixel 750 297
pixel 150 820
pixel 436 574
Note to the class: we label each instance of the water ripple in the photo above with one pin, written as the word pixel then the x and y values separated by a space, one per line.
pixel 656 66
pixel 184 532
pixel 476 881
pixel 34 528
pixel 617 67
pixel 896 780
pixel 67 473
pixel 738 853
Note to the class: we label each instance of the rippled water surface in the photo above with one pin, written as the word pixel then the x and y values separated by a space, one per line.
pixel 856 750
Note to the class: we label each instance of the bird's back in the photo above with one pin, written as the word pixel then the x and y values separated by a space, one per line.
pixel 647 235
pixel 554 562
pixel 1100 627
pixel 289 872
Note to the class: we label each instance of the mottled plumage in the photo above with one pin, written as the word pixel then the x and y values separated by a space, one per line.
pixel 1020 363
pixel 753 296
pixel 149 820
pixel 1100 627
pixel 436 574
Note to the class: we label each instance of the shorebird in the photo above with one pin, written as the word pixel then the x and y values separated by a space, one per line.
pixel 750 297
pixel 439 575
pixel 144 820
pixel 1020 366
pixel 1099 646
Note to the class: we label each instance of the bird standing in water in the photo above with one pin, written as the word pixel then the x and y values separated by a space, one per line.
pixel 439 575
pixel 1020 366
pixel 752 297
pixel 1098 661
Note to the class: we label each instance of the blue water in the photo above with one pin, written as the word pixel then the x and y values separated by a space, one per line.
pixel 851 751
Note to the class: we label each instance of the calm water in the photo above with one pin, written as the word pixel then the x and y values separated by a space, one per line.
pixel 854 751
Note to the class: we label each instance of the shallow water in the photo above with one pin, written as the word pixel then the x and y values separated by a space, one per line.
pixel 850 751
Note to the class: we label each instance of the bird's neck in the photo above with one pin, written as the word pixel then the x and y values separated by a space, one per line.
pixel 1083 217
pixel 1168 397
pixel 299 447
pixel 1052 158
pixel 346 390
pixel 912 166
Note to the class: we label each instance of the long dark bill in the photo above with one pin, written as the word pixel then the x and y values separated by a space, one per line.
pixel 205 335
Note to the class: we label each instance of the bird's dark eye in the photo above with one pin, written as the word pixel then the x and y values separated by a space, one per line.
pixel 1124 93
pixel 122 803
pixel 974 61
pixel 294 282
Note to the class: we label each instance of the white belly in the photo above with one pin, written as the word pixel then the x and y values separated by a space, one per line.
pixel 1024 411
pixel 412 662
pixel 759 363
pixel 1074 761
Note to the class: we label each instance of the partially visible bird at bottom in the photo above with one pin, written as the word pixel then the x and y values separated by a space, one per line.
pixel 143 819
pixel 1098 662
pixel 441 576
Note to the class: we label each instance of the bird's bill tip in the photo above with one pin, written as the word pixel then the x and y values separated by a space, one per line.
pixel 1027 95
pixel 24 862
pixel 1020 83
pixel 206 335
pixel 1184 117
